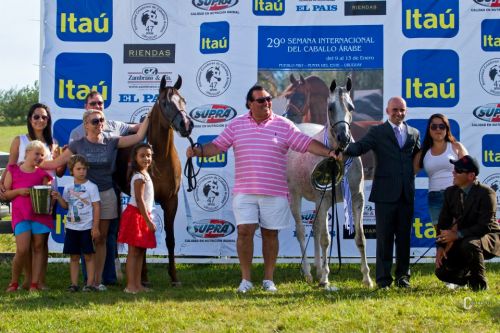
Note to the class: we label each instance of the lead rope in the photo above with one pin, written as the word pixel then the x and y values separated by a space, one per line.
pixel 189 172
pixel 335 217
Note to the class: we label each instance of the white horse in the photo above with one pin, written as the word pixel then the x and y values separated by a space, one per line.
pixel 299 170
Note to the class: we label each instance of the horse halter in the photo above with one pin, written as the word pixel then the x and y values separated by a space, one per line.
pixel 171 114
pixel 342 145
pixel 301 112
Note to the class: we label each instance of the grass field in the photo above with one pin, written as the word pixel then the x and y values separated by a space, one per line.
pixel 207 302
pixel 7 134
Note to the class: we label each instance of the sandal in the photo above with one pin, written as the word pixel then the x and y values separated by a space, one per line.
pixel 34 287
pixel 13 286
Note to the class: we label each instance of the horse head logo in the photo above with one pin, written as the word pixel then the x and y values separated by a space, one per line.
pixel 149 19
pixel 213 76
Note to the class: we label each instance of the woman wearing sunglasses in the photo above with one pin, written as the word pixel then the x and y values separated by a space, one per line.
pixel 100 151
pixel 39 125
pixel 438 147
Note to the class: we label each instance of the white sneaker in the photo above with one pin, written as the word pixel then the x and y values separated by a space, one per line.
pixel 245 286
pixel 269 285
pixel 101 287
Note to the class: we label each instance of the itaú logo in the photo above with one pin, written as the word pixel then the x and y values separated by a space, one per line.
pixel 84 21
pixel 430 19
pixel 77 74
pixel 268 7
pixel 430 78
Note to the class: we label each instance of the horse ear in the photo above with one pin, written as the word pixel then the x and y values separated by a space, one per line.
pixel 348 84
pixel 333 86
pixel 302 79
pixel 178 83
pixel 293 80
pixel 163 83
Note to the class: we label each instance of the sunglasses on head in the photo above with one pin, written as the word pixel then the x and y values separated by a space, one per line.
pixel 94 103
pixel 96 121
pixel 37 116
pixel 460 171
pixel 263 99
pixel 436 126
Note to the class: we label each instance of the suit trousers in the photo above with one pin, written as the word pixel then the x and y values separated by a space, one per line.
pixel 465 264
pixel 394 221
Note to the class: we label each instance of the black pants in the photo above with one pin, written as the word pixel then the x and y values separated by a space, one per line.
pixel 465 264
pixel 394 222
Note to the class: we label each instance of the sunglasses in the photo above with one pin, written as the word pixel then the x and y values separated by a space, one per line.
pixel 262 100
pixel 94 103
pixel 434 127
pixel 96 121
pixel 460 171
pixel 37 116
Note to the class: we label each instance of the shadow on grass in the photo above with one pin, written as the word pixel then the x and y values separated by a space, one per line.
pixel 219 282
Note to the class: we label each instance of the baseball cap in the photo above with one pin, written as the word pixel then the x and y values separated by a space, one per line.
pixel 466 163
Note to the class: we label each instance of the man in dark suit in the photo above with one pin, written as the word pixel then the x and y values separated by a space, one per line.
pixel 468 231
pixel 394 144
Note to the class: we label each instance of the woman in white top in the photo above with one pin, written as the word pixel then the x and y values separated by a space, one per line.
pixel 39 125
pixel 438 147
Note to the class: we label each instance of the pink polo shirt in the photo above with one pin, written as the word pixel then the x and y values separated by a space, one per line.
pixel 260 152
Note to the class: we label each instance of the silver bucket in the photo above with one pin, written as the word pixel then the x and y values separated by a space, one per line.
pixel 41 198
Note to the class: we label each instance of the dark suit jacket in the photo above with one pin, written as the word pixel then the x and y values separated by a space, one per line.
pixel 478 218
pixel 394 166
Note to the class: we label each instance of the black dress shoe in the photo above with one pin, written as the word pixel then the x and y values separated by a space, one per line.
pixel 403 283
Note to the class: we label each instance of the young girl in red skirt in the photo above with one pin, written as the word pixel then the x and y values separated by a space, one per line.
pixel 137 229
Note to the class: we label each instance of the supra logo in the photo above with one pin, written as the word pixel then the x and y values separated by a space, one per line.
pixel 491 150
pixel 84 21
pixel 77 74
pixel 214 5
pixel 217 161
pixel 149 21
pixel 214 37
pixel 431 78
pixel 489 113
pixel 490 35
pixel 268 7
pixel 430 19
pixel 489 76
pixel 212 193
pixel 488 3
pixel 210 228
pixel 213 113
pixel 213 78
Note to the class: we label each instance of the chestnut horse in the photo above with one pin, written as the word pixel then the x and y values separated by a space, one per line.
pixel 168 114
pixel 306 100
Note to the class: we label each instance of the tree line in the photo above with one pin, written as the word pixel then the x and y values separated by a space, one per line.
pixel 15 102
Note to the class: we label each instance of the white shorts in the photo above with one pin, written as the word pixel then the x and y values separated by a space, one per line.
pixel 269 212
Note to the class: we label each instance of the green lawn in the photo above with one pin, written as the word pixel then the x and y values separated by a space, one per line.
pixel 207 302
pixel 8 133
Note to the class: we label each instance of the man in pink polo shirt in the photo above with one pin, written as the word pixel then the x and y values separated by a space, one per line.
pixel 260 140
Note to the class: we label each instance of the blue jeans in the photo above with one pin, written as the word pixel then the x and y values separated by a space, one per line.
pixel 435 201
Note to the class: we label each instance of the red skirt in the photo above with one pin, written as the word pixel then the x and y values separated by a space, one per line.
pixel 134 230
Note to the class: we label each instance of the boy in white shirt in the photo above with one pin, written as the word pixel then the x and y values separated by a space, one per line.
pixel 81 199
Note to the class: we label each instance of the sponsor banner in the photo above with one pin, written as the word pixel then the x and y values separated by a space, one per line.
pixel 320 47
pixel 493 181
pixel 419 49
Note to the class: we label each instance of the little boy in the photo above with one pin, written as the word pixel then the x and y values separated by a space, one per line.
pixel 81 199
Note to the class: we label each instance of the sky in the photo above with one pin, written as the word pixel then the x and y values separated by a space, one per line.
pixel 20 38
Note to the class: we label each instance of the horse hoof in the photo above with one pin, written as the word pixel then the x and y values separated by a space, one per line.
pixel 323 284
pixel 331 288
pixel 177 284
pixel 309 279
pixel 368 283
